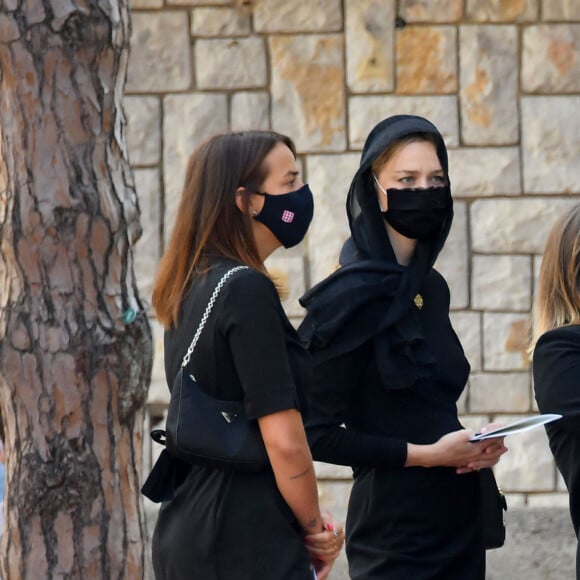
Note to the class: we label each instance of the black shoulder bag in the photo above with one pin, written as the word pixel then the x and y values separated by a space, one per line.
pixel 201 428
pixel 492 503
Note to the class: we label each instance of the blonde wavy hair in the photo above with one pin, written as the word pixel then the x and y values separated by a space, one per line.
pixel 558 298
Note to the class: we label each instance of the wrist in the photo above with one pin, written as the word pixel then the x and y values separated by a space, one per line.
pixel 420 455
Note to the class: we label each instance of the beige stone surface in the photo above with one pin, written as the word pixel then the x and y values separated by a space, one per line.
pixel 499 392
pixel 505 341
pixel 528 465
pixel 370 41
pixel 467 326
pixel 308 94
pixel 220 21
pixel 143 129
pixel 501 282
pixel 189 119
pixel 159 62
pixel 427 60
pixel 145 4
pixel 485 171
pixel 510 226
pixel 297 16
pixel 288 272
pixel 147 251
pixel 489 85
pixel 502 10
pixel 243 58
pixel 431 10
pixel 560 9
pixel 329 177
pixel 250 110
pixel 551 59
pixel 453 261
pixel 550 144
pixel 366 111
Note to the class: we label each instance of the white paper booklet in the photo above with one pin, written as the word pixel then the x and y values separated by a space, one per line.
pixel 518 426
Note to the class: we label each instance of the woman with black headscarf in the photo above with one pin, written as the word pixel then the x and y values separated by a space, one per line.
pixel 389 369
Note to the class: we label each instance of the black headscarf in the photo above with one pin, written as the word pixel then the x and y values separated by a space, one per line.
pixel 371 296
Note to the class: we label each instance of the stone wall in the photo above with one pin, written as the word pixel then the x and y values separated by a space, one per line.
pixel 500 79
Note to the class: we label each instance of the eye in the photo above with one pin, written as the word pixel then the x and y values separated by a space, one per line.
pixel 439 179
pixel 408 179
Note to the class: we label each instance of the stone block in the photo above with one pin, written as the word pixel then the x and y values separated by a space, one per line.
pixel 366 111
pixel 501 282
pixel 329 177
pixel 369 37
pixel 489 85
pixel 297 16
pixel 560 10
pixel 453 260
pixel 143 130
pixel 540 545
pixel 427 60
pixel 160 57
pixel 485 171
pixel 329 471
pixel 514 225
pixel 250 110
pixel 158 390
pixel 475 422
pixel 219 21
pixel 197 2
pixel 505 11
pixel 145 4
pixel 505 340
pixel 431 10
pixel 147 251
pixel 548 500
pixel 189 120
pixel 551 59
pixel 467 326
pixel 528 465
pixel 230 63
pixel 550 144
pixel 308 93
pixel 499 392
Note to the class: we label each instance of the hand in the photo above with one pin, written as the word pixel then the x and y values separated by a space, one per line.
pixel 325 546
pixel 491 453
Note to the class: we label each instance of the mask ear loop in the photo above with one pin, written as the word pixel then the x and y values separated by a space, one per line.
pixel 379 184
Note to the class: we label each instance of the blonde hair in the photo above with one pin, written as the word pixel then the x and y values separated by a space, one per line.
pixel 558 300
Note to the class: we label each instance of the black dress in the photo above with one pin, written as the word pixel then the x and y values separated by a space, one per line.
pixel 223 523
pixel 556 369
pixel 388 370
pixel 403 523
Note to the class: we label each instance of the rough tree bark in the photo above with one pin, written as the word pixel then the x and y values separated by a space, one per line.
pixel 75 363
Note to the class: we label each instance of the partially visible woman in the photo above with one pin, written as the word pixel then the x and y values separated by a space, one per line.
pixel 389 369
pixel 556 352
pixel 242 199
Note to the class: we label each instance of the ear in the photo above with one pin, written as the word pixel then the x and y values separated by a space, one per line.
pixel 241 199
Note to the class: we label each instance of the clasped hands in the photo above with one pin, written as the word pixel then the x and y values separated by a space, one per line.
pixel 325 546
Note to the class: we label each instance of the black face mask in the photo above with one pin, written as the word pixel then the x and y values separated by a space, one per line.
pixel 288 215
pixel 418 213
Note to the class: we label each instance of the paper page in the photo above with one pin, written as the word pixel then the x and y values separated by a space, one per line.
pixel 518 426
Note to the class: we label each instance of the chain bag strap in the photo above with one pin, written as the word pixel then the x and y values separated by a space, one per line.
pixel 202 428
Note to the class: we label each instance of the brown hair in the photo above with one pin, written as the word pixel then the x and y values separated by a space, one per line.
pixel 208 221
pixel 558 300
pixel 383 158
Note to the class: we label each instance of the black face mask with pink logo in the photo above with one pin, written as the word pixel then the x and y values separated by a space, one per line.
pixel 288 215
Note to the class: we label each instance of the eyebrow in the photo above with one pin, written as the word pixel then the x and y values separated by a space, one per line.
pixel 418 171
pixel 292 173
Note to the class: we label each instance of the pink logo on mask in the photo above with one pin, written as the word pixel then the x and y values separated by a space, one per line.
pixel 288 216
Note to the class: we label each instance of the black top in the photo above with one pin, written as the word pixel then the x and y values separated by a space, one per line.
pixel 248 349
pixel 379 422
pixel 556 369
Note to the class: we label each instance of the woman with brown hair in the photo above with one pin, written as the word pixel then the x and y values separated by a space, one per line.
pixel 556 352
pixel 242 199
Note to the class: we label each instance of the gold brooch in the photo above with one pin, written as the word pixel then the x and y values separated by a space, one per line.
pixel 418 300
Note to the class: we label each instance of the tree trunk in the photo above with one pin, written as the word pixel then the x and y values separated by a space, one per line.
pixel 75 361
